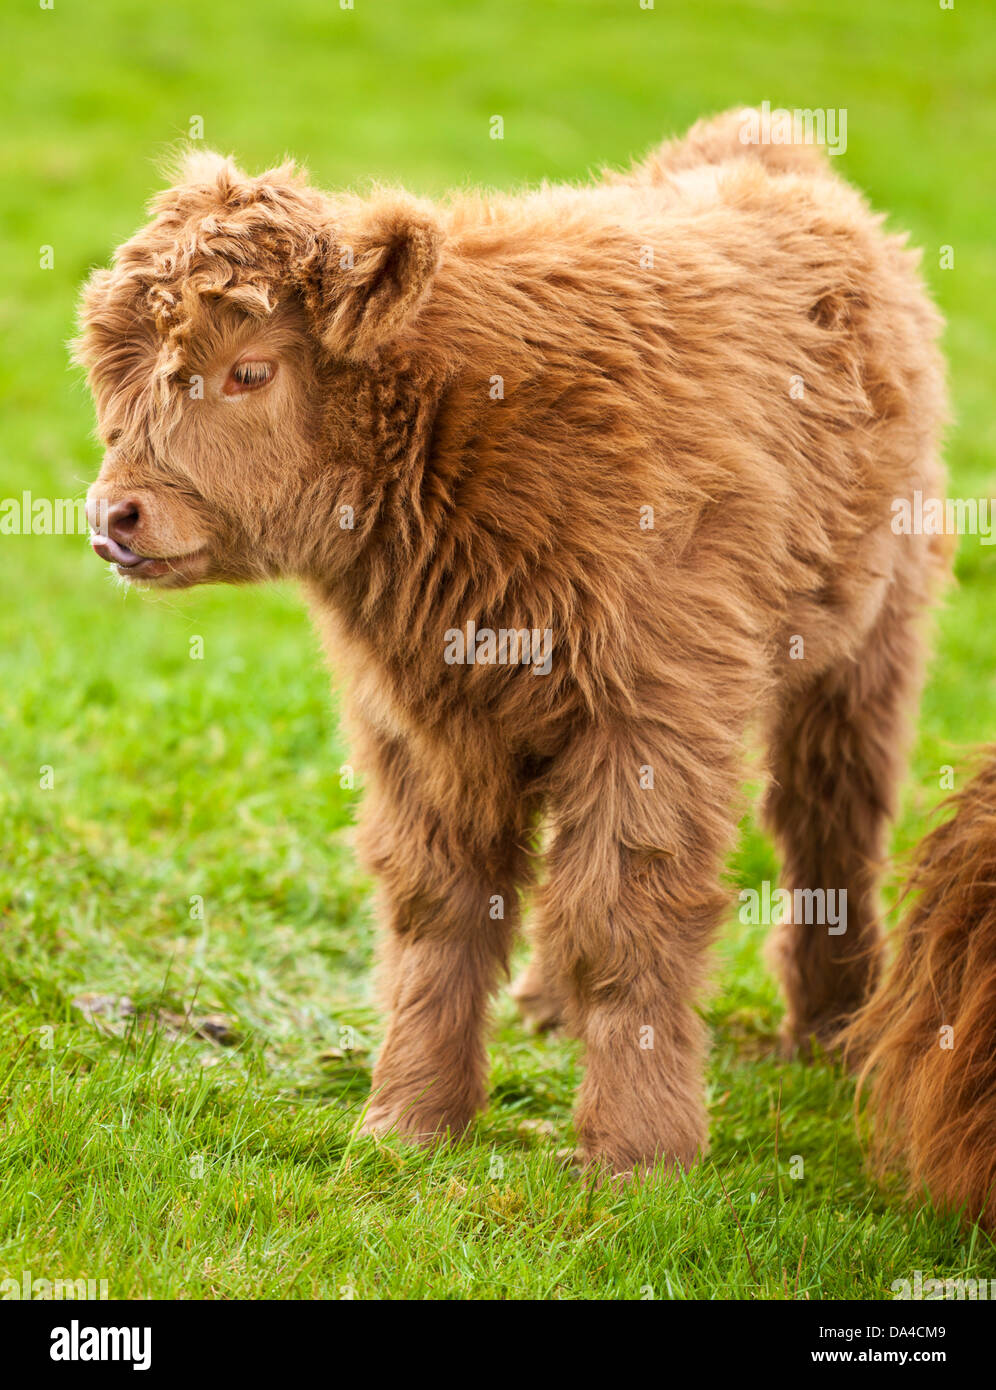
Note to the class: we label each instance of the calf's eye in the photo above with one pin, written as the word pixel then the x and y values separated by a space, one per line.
pixel 248 375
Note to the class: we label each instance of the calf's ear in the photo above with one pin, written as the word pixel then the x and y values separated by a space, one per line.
pixel 365 280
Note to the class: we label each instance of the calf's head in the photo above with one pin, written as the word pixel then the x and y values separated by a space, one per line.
pixel 226 348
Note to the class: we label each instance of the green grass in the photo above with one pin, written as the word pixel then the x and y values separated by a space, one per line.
pixel 174 1166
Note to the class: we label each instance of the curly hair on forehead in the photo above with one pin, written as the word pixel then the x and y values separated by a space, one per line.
pixel 221 239
pixel 216 236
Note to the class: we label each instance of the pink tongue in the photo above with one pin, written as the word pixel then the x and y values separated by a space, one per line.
pixel 119 553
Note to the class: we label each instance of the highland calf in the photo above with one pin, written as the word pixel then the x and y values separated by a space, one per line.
pixel 663 418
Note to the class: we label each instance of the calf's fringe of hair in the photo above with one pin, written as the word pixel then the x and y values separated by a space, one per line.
pixel 925 1043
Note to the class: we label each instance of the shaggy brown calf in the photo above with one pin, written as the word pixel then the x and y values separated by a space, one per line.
pixel 926 1041
pixel 581 485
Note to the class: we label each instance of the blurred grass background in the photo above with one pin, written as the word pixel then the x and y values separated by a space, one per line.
pixel 172 1165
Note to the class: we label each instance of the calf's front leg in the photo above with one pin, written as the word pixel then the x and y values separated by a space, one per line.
pixel 631 902
pixel 448 880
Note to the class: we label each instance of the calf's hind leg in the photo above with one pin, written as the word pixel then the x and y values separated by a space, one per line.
pixel 542 995
pixel 837 755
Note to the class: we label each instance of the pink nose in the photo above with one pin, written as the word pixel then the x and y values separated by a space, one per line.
pixel 118 520
pixel 113 527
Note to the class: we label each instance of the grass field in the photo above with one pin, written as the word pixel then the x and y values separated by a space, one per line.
pixel 136 1149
